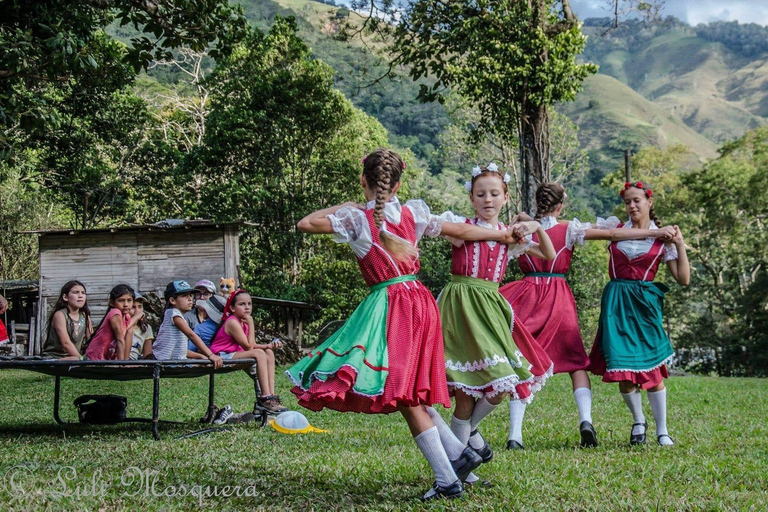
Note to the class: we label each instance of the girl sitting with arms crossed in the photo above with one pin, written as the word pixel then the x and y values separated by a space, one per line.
pixel 69 324
pixel 388 357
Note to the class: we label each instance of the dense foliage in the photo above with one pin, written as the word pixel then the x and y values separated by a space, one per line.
pixel 266 133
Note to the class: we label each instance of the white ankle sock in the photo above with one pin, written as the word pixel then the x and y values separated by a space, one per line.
pixel 583 397
pixel 429 444
pixel 635 406
pixel 482 409
pixel 453 447
pixel 461 429
pixel 516 415
pixel 658 401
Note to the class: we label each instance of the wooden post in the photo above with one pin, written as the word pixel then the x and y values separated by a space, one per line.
pixel 627 165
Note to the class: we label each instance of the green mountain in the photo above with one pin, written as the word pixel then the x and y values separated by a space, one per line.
pixel 660 85
pixel 712 86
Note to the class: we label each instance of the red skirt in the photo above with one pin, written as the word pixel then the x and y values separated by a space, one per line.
pixel 3 333
pixel 548 312
pixel 646 380
pixel 416 363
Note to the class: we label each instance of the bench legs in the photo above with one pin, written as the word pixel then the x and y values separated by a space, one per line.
pixel 209 416
pixel 56 400
pixel 156 402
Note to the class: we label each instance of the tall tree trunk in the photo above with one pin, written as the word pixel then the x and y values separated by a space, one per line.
pixel 534 153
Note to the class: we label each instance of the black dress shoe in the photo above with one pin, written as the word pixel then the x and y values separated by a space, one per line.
pixel 658 439
pixel 635 439
pixel 588 435
pixel 455 490
pixel 467 461
pixel 484 451
pixel 514 445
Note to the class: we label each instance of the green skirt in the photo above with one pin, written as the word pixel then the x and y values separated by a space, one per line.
pixel 361 343
pixel 480 354
pixel 631 330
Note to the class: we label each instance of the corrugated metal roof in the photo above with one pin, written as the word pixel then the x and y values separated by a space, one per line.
pixel 18 284
pixel 157 226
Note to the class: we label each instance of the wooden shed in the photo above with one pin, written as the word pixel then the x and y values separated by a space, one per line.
pixel 146 257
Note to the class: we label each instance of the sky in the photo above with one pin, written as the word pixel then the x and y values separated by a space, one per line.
pixel 691 11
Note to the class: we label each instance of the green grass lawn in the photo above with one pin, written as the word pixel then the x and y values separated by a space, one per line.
pixel 719 462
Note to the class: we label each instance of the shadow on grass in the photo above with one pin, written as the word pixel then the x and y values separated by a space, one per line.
pixel 169 430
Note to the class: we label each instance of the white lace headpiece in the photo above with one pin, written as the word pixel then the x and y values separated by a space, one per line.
pixel 490 167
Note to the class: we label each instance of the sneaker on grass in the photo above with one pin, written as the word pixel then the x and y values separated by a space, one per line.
pixel 224 415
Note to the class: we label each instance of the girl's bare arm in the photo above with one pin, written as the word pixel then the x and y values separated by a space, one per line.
pixel 318 223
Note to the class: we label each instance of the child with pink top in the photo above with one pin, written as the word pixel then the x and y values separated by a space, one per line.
pixel 235 339
pixel 109 339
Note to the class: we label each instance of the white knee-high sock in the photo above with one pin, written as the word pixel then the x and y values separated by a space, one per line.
pixel 635 406
pixel 461 429
pixel 429 444
pixel 583 397
pixel 453 447
pixel 516 415
pixel 658 401
pixel 482 409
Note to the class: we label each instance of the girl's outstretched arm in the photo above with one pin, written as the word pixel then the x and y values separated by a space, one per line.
pixel 680 268
pixel 544 249
pixel 619 234
pixel 318 223
pixel 473 233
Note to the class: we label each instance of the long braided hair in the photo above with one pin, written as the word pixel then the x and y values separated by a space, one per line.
pixel 648 193
pixel 382 170
pixel 548 197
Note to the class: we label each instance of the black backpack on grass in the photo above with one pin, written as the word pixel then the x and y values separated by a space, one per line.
pixel 101 409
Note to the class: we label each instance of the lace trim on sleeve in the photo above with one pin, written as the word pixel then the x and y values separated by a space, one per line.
pixel 517 250
pixel 670 252
pixel 576 232
pixel 426 223
pixel 609 223
pixel 347 223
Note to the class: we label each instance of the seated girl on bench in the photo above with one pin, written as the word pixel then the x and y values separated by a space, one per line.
pixel 69 324
pixel 172 335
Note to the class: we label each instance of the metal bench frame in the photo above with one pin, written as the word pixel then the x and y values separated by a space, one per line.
pixel 131 370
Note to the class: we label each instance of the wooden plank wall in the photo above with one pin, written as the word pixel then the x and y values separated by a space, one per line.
pixel 145 260
pixel 179 254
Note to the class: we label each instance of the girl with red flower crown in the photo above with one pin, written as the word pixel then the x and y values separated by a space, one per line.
pixel 544 304
pixel 631 346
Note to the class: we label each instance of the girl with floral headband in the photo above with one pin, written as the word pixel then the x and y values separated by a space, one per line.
pixel 631 346
pixel 388 356
pixel 489 354
pixel 544 303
